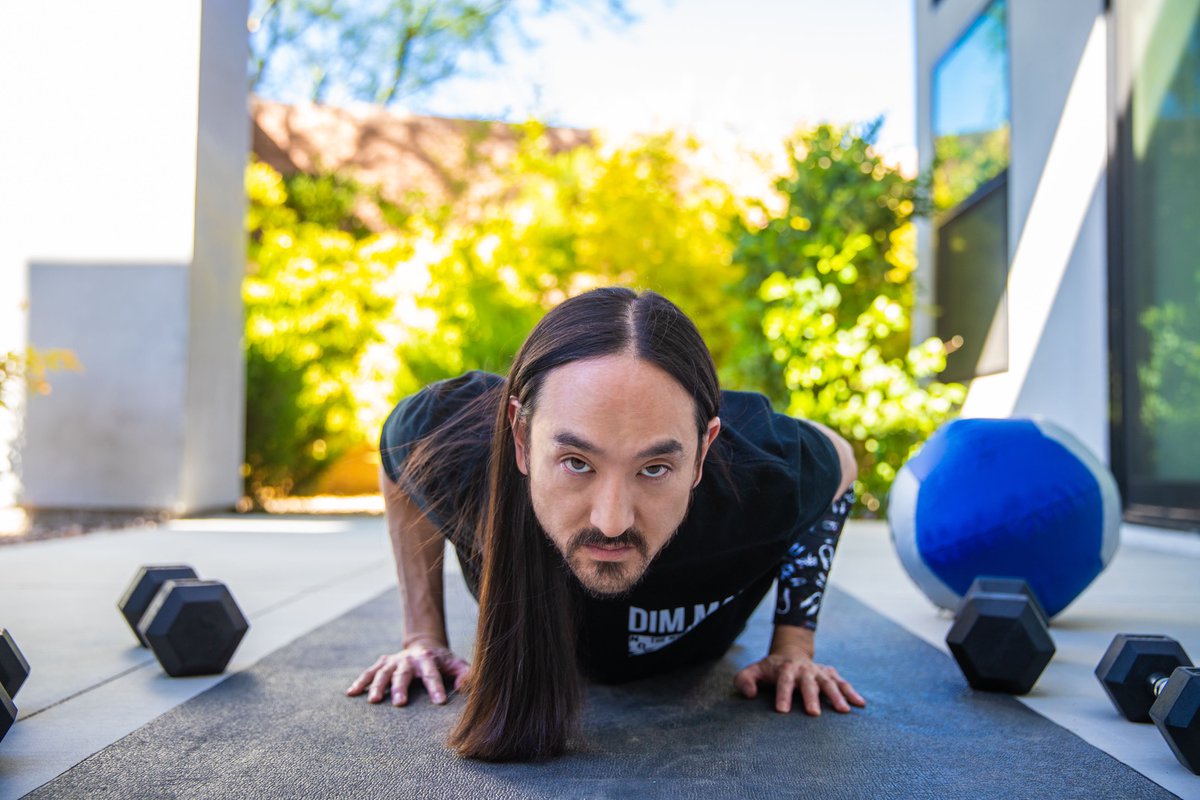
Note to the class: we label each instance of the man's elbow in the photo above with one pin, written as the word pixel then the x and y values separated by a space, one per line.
pixel 848 462
pixel 845 453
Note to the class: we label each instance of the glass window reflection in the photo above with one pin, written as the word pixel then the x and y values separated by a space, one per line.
pixel 971 110
pixel 1160 217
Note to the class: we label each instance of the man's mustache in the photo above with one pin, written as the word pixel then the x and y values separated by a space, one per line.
pixel 593 537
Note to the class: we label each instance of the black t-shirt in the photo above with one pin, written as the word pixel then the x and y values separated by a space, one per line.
pixel 768 478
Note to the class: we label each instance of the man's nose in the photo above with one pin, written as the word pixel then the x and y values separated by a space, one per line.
pixel 612 511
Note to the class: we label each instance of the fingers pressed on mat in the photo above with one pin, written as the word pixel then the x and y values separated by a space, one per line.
pixel 784 689
pixel 833 692
pixel 432 679
pixel 379 685
pixel 810 692
pixel 403 679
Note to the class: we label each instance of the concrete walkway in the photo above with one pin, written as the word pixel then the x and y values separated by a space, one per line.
pixel 91 684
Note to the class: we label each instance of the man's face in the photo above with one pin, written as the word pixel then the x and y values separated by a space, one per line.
pixel 612 455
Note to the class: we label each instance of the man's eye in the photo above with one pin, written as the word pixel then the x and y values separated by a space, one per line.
pixel 576 466
pixel 656 471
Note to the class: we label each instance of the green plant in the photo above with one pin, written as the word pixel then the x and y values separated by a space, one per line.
pixel 315 301
pixel 828 288
pixel 559 223
pixel 31 368
pixel 1169 373
pixel 811 305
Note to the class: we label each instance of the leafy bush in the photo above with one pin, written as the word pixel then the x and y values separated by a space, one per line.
pixel 315 300
pixel 825 304
pixel 557 224
pixel 811 305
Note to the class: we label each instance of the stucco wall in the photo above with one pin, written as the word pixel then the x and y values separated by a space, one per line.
pixel 123 242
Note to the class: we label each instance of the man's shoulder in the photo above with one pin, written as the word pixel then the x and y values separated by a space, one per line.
pixel 454 415
pixel 754 431
pixel 441 399
pixel 429 408
pixel 468 385
pixel 745 409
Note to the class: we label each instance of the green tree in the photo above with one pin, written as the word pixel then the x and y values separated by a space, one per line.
pixel 315 301
pixel 450 289
pixel 810 305
pixel 1169 374
pixel 827 298
pixel 964 162
pixel 559 223
pixel 381 50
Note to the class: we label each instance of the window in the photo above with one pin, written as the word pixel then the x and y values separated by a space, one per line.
pixel 1154 223
pixel 971 124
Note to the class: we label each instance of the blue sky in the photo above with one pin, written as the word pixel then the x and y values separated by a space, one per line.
pixel 970 83
pixel 749 71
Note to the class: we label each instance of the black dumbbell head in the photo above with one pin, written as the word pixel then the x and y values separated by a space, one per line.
pixel 14 669
pixel 997 585
pixel 1176 712
pixel 193 627
pixel 1000 643
pixel 1127 666
pixel 143 587
pixel 8 712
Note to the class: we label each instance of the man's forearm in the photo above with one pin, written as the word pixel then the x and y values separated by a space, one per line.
pixel 804 572
pixel 417 547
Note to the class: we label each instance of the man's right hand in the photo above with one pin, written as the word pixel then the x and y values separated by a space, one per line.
pixel 426 660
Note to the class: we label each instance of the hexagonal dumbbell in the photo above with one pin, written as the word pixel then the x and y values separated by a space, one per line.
pixel 193 627
pixel 998 585
pixel 14 669
pixel 143 587
pixel 1176 714
pixel 1000 639
pixel 1150 678
pixel 8 713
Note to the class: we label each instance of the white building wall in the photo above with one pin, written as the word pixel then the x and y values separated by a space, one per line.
pixel 124 136
pixel 1057 288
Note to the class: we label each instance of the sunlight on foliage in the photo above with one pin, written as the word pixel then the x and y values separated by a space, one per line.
pixel 827 300
pixel 314 304
pixel 806 297
pixel 562 223
pixel 33 368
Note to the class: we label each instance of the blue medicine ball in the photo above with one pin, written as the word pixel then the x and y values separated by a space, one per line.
pixel 1006 497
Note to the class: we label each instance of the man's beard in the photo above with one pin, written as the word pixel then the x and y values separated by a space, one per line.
pixel 608 580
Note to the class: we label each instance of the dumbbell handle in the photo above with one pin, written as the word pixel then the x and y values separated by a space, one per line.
pixel 1157 682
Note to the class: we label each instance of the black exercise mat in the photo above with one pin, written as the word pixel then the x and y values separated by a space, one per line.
pixel 283 730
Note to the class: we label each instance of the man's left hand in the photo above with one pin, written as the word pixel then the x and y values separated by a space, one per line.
pixel 789 674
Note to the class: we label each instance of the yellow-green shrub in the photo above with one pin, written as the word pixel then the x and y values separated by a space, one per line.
pixel 827 300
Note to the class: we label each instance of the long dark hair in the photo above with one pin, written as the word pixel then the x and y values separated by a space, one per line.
pixel 525 691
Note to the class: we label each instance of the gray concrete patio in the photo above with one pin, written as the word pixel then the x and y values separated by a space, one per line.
pixel 91 685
